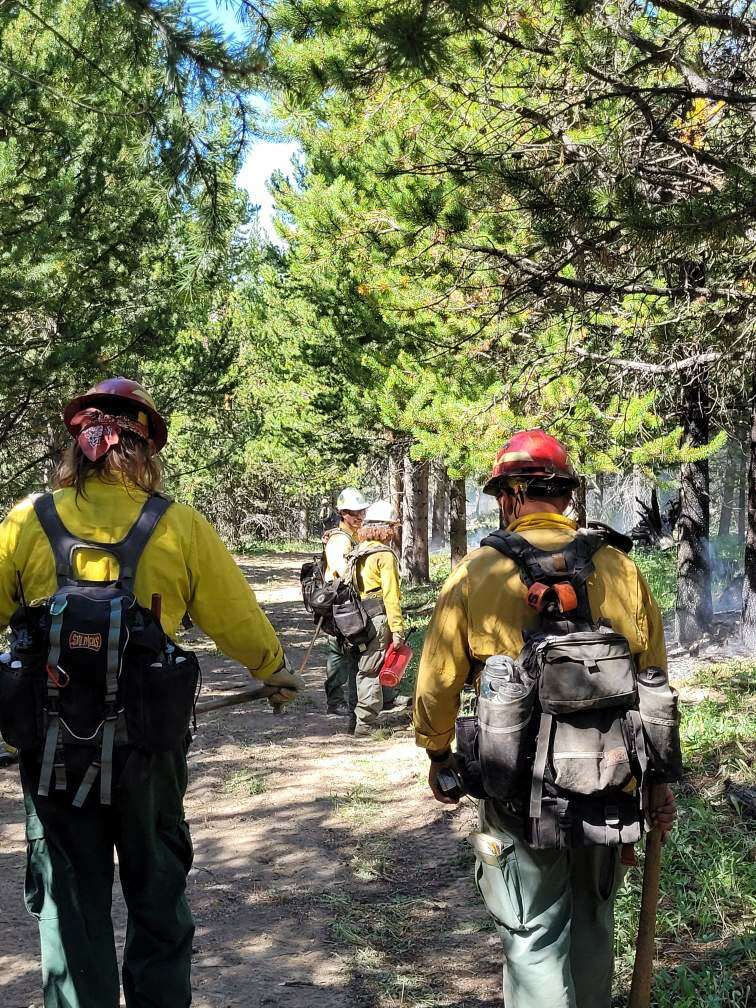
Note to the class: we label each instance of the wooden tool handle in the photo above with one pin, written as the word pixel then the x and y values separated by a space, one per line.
pixel 232 699
pixel 645 949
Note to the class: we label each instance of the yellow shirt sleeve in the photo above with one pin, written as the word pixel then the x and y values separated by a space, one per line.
pixel 224 606
pixel 444 666
pixel 337 548
pixel 392 599
pixel 10 529
pixel 655 653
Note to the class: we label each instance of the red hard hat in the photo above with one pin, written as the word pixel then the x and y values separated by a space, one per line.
pixel 531 453
pixel 110 396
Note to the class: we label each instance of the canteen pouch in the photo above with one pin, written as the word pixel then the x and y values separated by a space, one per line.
pixel 468 757
pixel 585 670
pixel 159 692
pixel 505 736
pixel 23 688
pixel 22 701
pixel 660 715
pixel 589 752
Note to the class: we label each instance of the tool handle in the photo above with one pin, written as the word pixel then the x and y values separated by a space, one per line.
pixel 232 699
pixel 645 949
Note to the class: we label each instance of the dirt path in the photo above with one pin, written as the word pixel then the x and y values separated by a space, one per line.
pixel 324 876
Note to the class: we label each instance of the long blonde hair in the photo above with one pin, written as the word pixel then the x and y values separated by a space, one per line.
pixel 131 459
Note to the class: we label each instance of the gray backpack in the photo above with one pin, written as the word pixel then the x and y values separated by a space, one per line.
pixel 579 729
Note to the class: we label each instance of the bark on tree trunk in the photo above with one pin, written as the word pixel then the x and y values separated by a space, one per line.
pixel 581 503
pixel 457 520
pixel 749 581
pixel 396 485
pixel 728 491
pixel 694 604
pixel 415 565
pixel 303 524
pixel 440 505
pixel 742 505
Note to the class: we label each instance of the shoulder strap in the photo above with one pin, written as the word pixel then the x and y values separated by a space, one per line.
pixel 361 553
pixel 128 551
pixel 543 571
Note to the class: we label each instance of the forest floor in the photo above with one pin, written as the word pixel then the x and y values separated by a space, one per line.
pixel 326 877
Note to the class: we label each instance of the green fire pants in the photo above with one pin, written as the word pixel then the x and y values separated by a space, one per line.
pixel 554 912
pixel 340 667
pixel 69 880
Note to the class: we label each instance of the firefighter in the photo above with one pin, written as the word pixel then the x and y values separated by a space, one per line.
pixel 553 908
pixel 107 473
pixel 375 575
pixel 338 543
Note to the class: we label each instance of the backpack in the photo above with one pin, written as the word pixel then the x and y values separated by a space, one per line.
pixel 90 670
pixel 575 727
pixel 344 614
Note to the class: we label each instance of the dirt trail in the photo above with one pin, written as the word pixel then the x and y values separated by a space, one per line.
pixel 324 876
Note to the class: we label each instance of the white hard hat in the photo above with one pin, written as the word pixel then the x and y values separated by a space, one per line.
pixel 351 500
pixel 380 512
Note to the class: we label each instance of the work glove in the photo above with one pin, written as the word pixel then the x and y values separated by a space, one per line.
pixel 437 765
pixel 663 809
pixel 292 685
pixel 397 639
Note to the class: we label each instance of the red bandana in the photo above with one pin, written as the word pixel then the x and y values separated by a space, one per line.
pixel 98 431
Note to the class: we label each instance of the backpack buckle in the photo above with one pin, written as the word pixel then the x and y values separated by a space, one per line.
pixel 611 813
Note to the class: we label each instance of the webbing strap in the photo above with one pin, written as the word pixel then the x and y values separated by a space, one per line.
pixel 86 784
pixel 53 757
pixel 111 691
pixel 106 776
pixel 636 723
pixel 539 765
pixel 48 757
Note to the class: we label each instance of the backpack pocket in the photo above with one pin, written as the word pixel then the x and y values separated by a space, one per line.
pixel 581 671
pixel 159 696
pixel 22 701
pixel 505 738
pixel 351 619
pixel 468 755
pixel 589 753
pixel 659 711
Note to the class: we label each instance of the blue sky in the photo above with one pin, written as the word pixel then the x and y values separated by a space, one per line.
pixel 264 157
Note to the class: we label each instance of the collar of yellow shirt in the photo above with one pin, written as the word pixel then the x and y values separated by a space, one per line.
pixel 541 519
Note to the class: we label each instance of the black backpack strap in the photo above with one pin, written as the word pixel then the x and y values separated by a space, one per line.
pixel 62 542
pixel 541 570
pixel 128 551
pixel 517 548
pixel 130 548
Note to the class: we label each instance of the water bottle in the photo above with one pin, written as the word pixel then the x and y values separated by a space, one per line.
pixel 500 679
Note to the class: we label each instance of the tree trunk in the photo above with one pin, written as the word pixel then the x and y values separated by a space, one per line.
pixel 440 505
pixel 728 491
pixel 694 604
pixel 415 565
pixel 581 503
pixel 396 485
pixel 303 524
pixel 742 505
pixel 457 520
pixel 749 581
